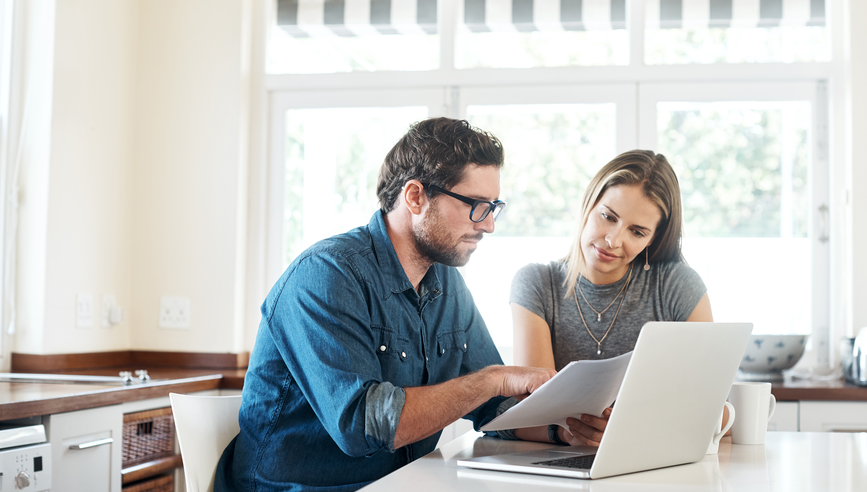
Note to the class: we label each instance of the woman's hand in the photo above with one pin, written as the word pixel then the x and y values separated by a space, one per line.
pixel 587 431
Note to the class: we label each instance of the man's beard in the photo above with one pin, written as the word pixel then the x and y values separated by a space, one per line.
pixel 432 241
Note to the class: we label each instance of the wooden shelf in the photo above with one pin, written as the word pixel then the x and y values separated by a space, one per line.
pixel 151 468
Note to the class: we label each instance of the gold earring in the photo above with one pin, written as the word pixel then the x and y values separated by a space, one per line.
pixel 646 259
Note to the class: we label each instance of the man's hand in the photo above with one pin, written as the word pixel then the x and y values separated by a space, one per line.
pixel 587 431
pixel 519 381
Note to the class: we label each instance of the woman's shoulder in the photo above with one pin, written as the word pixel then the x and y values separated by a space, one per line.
pixel 678 272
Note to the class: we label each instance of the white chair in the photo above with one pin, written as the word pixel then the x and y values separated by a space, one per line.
pixel 206 425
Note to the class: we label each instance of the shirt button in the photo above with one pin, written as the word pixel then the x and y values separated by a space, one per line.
pixel 444 351
pixel 436 291
pixel 465 346
pixel 382 348
pixel 403 354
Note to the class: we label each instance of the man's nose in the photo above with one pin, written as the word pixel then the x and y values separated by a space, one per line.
pixel 487 224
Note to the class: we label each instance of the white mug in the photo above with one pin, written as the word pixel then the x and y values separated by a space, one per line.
pixel 755 405
pixel 713 447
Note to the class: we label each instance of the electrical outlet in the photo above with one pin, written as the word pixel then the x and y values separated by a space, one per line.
pixel 109 301
pixel 84 310
pixel 174 312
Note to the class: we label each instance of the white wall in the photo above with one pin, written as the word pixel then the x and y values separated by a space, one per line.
pixel 857 68
pixel 134 179
pixel 88 241
pixel 189 194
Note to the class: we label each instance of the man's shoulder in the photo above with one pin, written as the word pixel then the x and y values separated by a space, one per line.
pixel 357 241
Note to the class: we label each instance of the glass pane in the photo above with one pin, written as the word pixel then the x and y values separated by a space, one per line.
pixel 744 171
pixel 541 49
pixel 333 158
pixel 396 52
pixel 737 45
pixel 552 152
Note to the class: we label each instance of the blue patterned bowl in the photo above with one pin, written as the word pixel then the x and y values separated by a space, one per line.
pixel 767 355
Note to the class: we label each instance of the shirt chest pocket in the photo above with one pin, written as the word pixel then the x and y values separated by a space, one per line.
pixel 396 358
pixel 453 344
pixel 389 344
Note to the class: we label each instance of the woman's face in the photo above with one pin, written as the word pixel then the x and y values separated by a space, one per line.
pixel 619 227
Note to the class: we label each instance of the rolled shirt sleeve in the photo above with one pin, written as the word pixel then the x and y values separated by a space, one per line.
pixel 382 412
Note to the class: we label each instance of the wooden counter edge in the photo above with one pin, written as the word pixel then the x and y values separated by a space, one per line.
pixel 33 408
pixel 814 393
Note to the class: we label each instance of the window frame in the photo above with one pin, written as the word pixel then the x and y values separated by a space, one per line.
pixel 455 86
pixel 814 92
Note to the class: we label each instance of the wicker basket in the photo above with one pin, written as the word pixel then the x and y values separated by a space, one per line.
pixel 163 483
pixel 147 436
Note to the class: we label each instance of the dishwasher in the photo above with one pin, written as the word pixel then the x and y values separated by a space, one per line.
pixel 25 458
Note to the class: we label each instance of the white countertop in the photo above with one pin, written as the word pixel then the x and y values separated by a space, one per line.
pixel 789 461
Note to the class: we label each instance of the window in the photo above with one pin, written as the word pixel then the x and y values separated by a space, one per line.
pixel 684 31
pixel 734 93
pixel 746 157
pixel 333 156
pixel 327 150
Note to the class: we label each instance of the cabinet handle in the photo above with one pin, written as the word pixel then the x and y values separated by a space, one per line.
pixel 92 444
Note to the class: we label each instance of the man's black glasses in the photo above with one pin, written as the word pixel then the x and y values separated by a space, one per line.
pixel 480 208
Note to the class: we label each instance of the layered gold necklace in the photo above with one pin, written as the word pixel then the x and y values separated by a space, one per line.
pixel 599 313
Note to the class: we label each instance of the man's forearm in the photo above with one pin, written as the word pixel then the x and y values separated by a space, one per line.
pixel 428 409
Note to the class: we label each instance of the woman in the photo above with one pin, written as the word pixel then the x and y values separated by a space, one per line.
pixel 624 269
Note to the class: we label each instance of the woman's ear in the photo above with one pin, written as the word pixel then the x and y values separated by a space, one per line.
pixel 414 196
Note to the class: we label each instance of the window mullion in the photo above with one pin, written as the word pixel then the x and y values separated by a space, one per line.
pixel 636 23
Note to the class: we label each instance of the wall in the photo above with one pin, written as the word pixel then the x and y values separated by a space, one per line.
pixel 134 177
pixel 88 246
pixel 189 198
pixel 857 159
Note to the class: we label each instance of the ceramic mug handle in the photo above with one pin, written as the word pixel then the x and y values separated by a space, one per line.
pixel 729 422
pixel 772 405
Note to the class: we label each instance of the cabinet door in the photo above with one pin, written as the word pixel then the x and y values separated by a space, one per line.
pixel 833 416
pixel 785 417
pixel 86 449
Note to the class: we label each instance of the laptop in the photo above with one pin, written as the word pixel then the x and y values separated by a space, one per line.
pixel 665 413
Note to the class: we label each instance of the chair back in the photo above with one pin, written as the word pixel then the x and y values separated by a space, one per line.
pixel 205 425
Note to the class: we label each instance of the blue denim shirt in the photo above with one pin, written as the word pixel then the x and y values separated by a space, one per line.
pixel 342 333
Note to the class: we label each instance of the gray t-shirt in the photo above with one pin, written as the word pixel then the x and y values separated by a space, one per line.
pixel 667 292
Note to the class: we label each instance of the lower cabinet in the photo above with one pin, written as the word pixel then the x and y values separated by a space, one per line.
pixel 833 416
pixel 785 417
pixel 86 449
pixel 819 416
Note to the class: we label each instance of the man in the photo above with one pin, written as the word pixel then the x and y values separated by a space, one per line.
pixel 370 342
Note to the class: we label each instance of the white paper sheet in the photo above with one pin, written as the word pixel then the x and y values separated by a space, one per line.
pixel 582 387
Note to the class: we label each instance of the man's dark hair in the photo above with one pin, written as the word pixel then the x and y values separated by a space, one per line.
pixel 435 151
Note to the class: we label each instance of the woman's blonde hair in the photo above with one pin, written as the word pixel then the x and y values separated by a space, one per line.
pixel 654 174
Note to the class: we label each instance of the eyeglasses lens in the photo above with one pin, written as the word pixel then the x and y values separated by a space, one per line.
pixel 481 211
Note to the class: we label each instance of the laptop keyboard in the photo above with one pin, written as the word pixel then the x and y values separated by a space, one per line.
pixel 579 462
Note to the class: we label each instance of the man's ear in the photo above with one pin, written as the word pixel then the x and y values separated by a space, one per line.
pixel 414 196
